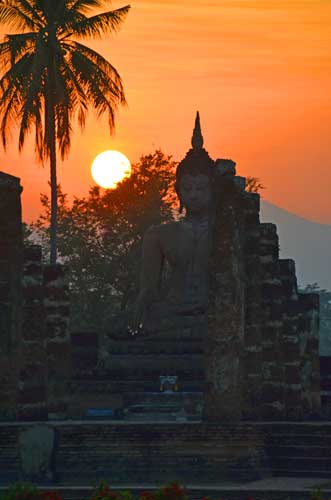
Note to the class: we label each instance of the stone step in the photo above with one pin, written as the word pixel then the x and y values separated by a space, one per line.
pixel 96 386
pixel 159 416
pixel 304 473
pixel 85 395
pixel 312 465
pixel 154 408
pixel 300 449
pixel 166 412
pixel 139 366
pixel 299 442
pixel 291 470
pixel 175 405
pixel 183 346
pixel 162 397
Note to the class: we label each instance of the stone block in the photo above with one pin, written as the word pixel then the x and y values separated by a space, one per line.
pixel 36 446
pixel 4 291
pixel 56 327
pixel 33 291
pixel 84 339
pixel 58 350
pixel 32 395
pixel 292 374
pixel 35 371
pixel 33 412
pixel 32 254
pixel 54 274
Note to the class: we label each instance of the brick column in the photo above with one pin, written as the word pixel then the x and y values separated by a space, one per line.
pixel 272 366
pixel 309 350
pixel 11 261
pixel 290 346
pixel 57 340
pixel 253 342
pixel 33 369
pixel 226 314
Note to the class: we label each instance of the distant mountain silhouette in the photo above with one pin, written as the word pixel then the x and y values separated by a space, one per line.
pixel 307 242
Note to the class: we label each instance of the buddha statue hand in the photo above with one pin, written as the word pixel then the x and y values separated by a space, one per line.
pixel 139 311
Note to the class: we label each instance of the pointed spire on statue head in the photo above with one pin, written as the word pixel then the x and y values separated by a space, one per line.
pixel 197 139
pixel 197 160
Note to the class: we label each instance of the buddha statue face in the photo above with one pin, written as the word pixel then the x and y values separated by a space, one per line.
pixel 194 192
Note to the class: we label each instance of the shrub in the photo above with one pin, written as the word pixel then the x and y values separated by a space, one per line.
pixel 22 491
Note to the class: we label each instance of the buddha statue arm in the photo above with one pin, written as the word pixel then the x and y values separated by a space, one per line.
pixel 150 277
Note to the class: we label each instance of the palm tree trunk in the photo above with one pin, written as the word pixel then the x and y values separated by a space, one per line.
pixel 51 139
pixel 53 228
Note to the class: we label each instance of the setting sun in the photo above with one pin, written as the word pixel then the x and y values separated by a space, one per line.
pixel 109 168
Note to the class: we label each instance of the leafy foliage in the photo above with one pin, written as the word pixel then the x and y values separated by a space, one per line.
pixel 171 491
pixel 100 238
pixel 104 492
pixel 21 491
pixel 27 491
pixel 253 184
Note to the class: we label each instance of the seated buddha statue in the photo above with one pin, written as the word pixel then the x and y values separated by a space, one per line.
pixel 181 246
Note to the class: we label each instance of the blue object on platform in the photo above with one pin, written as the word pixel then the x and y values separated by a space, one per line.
pixel 102 413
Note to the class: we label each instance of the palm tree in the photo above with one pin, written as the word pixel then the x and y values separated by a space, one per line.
pixel 48 78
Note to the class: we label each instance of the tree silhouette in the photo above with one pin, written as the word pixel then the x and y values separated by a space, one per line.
pixel 100 238
pixel 49 78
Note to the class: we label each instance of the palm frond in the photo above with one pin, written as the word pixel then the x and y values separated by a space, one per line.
pixel 64 129
pixel 99 25
pixel 9 115
pixel 84 6
pixel 86 59
pixel 102 92
pixel 12 16
pixel 32 9
pixel 13 86
pixel 32 106
pixel 17 45
pixel 77 94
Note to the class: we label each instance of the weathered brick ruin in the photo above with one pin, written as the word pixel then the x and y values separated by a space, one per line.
pixel 34 314
pixel 255 358
pixel 11 258
pixel 259 360
pixel 262 359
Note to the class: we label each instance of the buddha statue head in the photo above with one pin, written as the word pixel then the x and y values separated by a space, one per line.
pixel 194 176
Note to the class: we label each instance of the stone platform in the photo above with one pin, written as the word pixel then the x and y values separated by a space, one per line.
pixel 122 452
pixel 82 453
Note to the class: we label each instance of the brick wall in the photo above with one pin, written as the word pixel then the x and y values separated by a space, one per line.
pixel 32 387
pixel 262 359
pixel 11 260
pixel 226 310
pixel 86 452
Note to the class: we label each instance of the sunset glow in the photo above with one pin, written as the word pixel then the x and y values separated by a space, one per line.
pixel 259 71
pixel 109 168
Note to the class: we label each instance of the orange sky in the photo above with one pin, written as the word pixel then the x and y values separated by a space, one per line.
pixel 259 71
